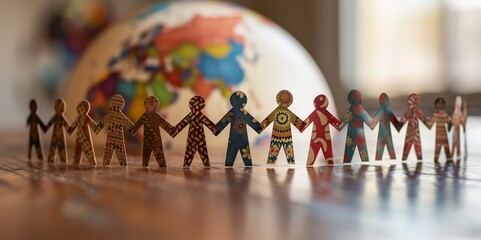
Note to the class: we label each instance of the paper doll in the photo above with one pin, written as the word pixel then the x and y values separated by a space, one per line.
pixel 238 118
pixel 321 134
pixel 412 117
pixel 33 121
pixel 441 119
pixel 83 143
pixel 152 122
pixel 196 139
pixel 458 118
pixel 281 131
pixel 116 122
pixel 60 124
pixel 385 117
pixel 354 118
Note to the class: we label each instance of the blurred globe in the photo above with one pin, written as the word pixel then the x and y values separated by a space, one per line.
pixel 177 50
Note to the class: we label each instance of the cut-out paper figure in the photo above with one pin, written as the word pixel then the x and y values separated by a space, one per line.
pixel 60 124
pixel 458 118
pixel 281 131
pixel 441 119
pixel 152 122
pixel 83 143
pixel 412 117
pixel 354 118
pixel 116 122
pixel 321 134
pixel 33 121
pixel 196 139
pixel 239 118
pixel 385 117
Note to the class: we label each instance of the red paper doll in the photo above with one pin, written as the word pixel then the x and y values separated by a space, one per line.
pixel 412 117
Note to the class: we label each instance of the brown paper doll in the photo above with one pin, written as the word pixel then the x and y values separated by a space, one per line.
pixel 83 143
pixel 441 119
pixel 457 119
pixel 59 123
pixel 33 121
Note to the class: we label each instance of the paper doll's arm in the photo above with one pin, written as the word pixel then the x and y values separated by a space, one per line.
pixel 93 124
pixel 345 119
pixel 296 121
pixel 377 118
pixel 127 123
pixel 333 120
pixel 209 124
pixel 465 114
pixel 268 120
pixel 72 127
pixel 65 122
pixel 367 119
pixel 42 125
pixel 135 128
pixel 51 122
pixel 224 121
pixel 98 127
pixel 395 121
pixel 183 123
pixel 251 121
pixel 29 120
pixel 427 122
pixel 309 120
pixel 171 130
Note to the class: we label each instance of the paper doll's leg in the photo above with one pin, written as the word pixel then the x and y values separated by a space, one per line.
pixel 121 155
pixel 417 148
pixel 363 153
pixel 314 148
pixel 38 147
pixel 407 148
pixel 437 150
pixel 109 152
pixel 379 149
pixel 89 153
pixel 159 156
pixel 146 153
pixel 348 153
pixel 30 145
pixel 446 150
pixel 246 155
pixel 231 154
pixel 62 152
pixel 273 152
pixel 390 148
pixel 77 153
pixel 328 152
pixel 190 151
pixel 51 154
pixel 289 151
pixel 204 154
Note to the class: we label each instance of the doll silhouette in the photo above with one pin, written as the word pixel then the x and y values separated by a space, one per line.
pixel 458 118
pixel 83 143
pixel 239 118
pixel 442 121
pixel 412 117
pixel 33 121
pixel 152 122
pixel 60 123
pixel 196 139
pixel 321 134
pixel 116 122
pixel 281 131
pixel 355 117
pixel 385 117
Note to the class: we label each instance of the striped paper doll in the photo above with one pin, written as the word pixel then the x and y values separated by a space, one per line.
pixel 83 143
pixel 442 121
pixel 458 118
pixel 281 132
pixel 354 118
pixel 116 122
pixel 59 123
pixel 239 119
pixel 385 117
pixel 321 133
pixel 196 139
pixel 33 121
pixel 412 117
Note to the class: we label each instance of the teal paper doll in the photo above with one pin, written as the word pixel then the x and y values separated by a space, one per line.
pixel 385 117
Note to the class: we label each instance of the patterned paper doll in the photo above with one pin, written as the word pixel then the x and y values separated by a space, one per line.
pixel 83 142
pixel 281 132
pixel 196 139
pixel 60 123
pixel 239 118
pixel 33 121
pixel 412 117
pixel 441 119
pixel 321 134
pixel 385 117
pixel 152 122
pixel 458 118
pixel 355 117
pixel 116 122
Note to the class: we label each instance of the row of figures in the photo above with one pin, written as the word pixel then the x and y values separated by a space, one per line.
pixel 282 118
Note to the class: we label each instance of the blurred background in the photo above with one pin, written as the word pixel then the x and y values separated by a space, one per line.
pixel 430 47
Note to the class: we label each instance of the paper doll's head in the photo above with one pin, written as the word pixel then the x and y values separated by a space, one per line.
pixel 458 102
pixel 413 100
pixel 151 104
pixel 238 99
pixel 284 98
pixel 83 107
pixel 116 103
pixel 321 101
pixel 59 106
pixel 354 97
pixel 439 104
pixel 33 105
pixel 384 99
pixel 197 103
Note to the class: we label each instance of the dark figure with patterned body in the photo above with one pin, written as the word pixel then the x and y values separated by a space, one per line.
pixel 116 122
pixel 412 117
pixel 442 121
pixel 60 123
pixel 34 138
pixel 152 122
pixel 238 118
pixel 83 142
pixel 281 130
pixel 385 117
pixel 196 139
pixel 355 117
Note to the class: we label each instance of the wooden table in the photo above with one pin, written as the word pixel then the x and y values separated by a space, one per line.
pixel 386 200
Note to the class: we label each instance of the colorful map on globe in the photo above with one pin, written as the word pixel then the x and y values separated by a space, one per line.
pixel 201 55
